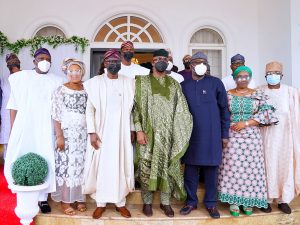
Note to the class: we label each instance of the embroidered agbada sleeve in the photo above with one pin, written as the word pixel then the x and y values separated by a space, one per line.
pixel 136 113
pixel 265 114
pixel 182 130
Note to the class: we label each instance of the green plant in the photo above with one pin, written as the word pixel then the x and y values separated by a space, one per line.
pixel 29 170
pixel 37 42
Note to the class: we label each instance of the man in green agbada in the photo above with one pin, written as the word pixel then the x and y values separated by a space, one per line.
pixel 163 124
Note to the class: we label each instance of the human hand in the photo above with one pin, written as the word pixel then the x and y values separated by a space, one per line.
pixel 95 141
pixel 133 136
pixel 224 142
pixel 238 126
pixel 60 143
pixel 141 138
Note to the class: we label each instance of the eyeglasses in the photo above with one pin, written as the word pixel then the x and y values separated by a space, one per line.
pixel 273 72
pixel 74 72
pixel 243 78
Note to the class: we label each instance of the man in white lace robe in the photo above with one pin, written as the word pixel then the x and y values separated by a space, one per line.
pixel 281 142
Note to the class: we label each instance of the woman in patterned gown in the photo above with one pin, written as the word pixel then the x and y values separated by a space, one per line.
pixel 68 113
pixel 242 180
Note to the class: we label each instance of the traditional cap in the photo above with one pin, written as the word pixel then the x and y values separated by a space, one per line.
pixel 161 52
pixel 127 44
pixel 274 66
pixel 41 51
pixel 237 57
pixel 12 59
pixel 242 68
pixel 199 55
pixel 185 57
pixel 112 54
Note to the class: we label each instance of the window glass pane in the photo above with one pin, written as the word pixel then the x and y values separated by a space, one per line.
pixel 214 58
pixel 50 31
pixel 206 36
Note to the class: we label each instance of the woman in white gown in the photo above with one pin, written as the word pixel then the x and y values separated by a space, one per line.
pixel 68 113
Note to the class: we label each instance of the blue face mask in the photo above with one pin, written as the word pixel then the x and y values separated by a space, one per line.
pixel 273 79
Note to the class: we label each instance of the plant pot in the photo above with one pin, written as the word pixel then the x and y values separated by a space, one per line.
pixel 27 201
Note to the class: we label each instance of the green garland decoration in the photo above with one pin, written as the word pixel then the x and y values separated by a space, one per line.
pixel 36 42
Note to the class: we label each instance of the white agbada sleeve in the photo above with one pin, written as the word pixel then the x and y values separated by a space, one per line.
pixel 176 76
pixel 90 117
pixel 12 101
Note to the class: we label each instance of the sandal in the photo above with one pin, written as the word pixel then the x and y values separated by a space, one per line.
pixel 234 210
pixel 67 209
pixel 81 207
pixel 247 210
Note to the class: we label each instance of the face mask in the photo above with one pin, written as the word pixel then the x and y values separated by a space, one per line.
pixel 161 66
pixel 200 69
pixel 128 56
pixel 44 66
pixel 187 65
pixel 114 68
pixel 170 66
pixel 273 79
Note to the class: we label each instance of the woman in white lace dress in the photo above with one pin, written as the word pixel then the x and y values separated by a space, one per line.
pixel 68 113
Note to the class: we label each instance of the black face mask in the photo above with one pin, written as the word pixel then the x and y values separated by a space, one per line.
pixel 161 66
pixel 114 68
pixel 128 56
pixel 187 65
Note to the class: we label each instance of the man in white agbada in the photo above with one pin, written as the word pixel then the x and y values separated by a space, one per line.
pixel 281 142
pixel 13 64
pixel 109 172
pixel 128 68
pixel 228 81
pixel 32 128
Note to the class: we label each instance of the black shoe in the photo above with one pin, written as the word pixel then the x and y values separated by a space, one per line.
pixel 213 212
pixel 44 207
pixel 187 209
pixel 167 210
pixel 147 210
pixel 267 210
pixel 284 207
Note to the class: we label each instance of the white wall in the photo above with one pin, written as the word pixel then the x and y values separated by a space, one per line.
pixel 295 42
pixel 239 21
pixel 275 36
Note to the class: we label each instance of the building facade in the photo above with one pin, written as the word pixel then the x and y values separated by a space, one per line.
pixel 261 30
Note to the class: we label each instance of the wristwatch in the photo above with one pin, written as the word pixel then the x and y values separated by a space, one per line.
pixel 247 123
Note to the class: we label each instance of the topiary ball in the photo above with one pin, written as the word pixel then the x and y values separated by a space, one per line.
pixel 29 170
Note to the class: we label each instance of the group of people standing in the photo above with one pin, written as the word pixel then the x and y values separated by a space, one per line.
pixel 127 125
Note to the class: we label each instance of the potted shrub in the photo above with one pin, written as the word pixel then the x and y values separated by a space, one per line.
pixel 29 173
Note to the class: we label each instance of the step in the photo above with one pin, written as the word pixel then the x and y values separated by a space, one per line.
pixel 196 217
pixel 136 198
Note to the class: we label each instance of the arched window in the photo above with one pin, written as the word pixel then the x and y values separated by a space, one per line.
pixel 49 31
pixel 128 27
pixel 210 42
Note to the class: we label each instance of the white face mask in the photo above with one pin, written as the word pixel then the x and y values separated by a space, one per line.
pixel 44 66
pixel 273 79
pixel 170 66
pixel 200 69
